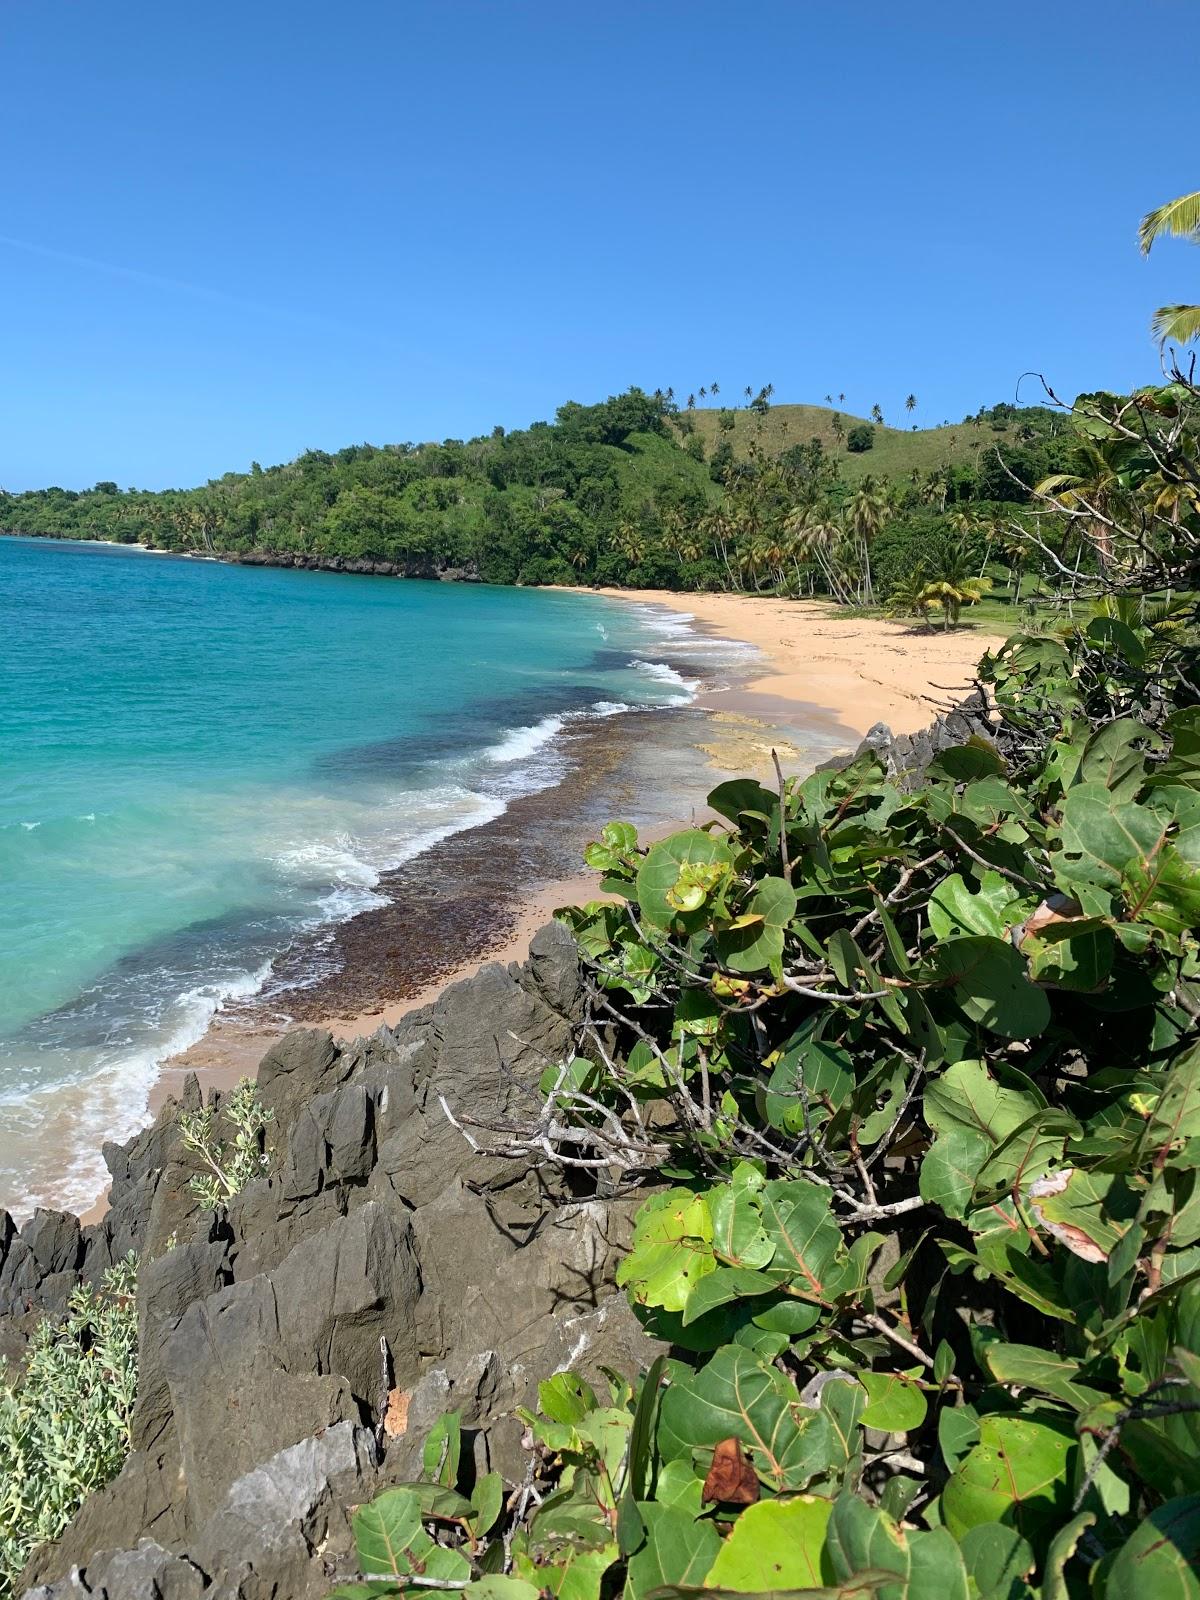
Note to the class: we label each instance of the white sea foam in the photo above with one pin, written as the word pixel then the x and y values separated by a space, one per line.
pixel 524 742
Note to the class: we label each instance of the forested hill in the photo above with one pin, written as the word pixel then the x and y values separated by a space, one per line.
pixel 634 490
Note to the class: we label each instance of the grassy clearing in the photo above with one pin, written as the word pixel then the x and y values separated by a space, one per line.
pixel 896 452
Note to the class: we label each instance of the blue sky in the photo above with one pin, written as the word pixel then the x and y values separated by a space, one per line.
pixel 235 230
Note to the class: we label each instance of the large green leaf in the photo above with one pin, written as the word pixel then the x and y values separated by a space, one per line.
pixel 1018 1474
pixel 991 984
pixel 661 869
pixel 956 911
pixel 797 1219
pixel 1114 757
pixel 678 1550
pixel 895 1401
pixel 863 1539
pixel 1030 1367
pixel 737 1395
pixel 738 1238
pixel 1182 766
pixel 1161 1559
pixel 759 944
pixel 1127 850
pixel 671 1250
pixel 809 1079
pixel 385 1530
pixel 776 1544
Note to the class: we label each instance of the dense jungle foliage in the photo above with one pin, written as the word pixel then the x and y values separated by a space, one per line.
pixel 910 1066
pixel 623 492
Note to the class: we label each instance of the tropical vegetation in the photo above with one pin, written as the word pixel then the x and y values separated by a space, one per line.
pixel 906 1065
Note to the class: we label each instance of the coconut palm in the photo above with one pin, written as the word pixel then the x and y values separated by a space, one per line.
pixel 714 389
pixel 950 586
pixel 908 598
pixel 1179 219
pixel 631 542
pixel 865 516
pixel 877 415
pixel 911 403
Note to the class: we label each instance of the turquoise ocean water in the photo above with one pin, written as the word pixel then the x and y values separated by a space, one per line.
pixel 198 762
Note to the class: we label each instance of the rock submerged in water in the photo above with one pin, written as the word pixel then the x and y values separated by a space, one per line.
pixel 259 1419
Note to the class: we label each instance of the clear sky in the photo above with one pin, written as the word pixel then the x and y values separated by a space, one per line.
pixel 237 229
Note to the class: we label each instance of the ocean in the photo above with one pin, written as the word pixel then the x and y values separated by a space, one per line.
pixel 201 764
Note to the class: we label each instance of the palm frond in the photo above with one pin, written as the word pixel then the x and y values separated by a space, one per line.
pixel 1179 219
pixel 1175 324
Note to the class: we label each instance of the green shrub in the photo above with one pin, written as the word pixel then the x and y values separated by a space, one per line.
pixel 861 437
pixel 921 1074
pixel 64 1423
pixel 231 1166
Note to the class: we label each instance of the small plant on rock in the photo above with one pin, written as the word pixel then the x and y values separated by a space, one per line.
pixel 231 1164
pixel 64 1424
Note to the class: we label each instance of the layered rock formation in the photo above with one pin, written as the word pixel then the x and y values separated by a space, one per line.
pixel 381 1254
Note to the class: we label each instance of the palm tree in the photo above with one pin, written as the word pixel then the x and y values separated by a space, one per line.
pixel 911 403
pixel 828 399
pixel 877 415
pixel 714 389
pixel 951 586
pixel 1094 491
pixel 841 399
pixel 691 402
pixel 908 598
pixel 1179 219
pixel 703 391
pixel 864 518
pixel 749 392
pixel 630 541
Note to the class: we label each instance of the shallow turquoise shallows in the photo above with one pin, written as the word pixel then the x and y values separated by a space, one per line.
pixel 199 761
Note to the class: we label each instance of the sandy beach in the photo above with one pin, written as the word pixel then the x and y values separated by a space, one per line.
pixel 845 672
pixel 815 671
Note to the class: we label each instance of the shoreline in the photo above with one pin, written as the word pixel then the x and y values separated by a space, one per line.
pixel 818 674
pixel 846 673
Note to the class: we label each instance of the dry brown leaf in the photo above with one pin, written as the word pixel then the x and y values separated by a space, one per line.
pixel 731 1479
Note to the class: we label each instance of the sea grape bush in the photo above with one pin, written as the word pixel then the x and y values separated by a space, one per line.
pixel 917 1078
pixel 64 1422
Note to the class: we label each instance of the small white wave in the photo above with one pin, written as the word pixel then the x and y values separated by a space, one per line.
pixel 524 742
pixel 112 1102
pixel 609 708
pixel 662 673
pixel 30 826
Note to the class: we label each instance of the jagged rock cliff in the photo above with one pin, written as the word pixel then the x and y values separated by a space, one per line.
pixel 379 1253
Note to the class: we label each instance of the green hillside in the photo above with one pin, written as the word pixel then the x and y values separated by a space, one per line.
pixel 895 454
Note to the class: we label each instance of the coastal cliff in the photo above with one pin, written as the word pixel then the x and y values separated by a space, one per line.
pixel 381 1257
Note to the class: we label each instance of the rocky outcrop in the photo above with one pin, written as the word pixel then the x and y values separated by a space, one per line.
pixel 907 755
pixel 380 1253
pixel 361 566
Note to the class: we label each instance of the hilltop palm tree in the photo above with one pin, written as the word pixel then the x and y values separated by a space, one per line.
pixel 841 399
pixel 714 389
pixel 691 402
pixel 828 399
pixel 749 392
pixel 1179 219
pixel 911 403
pixel 877 415
pixel 703 391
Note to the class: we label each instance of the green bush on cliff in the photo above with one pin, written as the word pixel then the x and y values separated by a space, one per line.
pixel 232 1162
pixel 917 1078
pixel 64 1422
